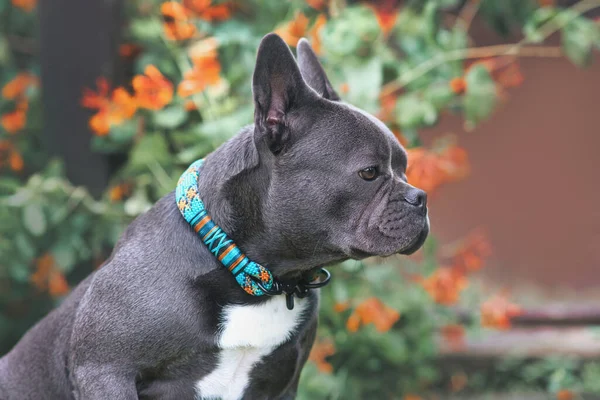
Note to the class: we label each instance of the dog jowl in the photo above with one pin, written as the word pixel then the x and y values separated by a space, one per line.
pixel 311 182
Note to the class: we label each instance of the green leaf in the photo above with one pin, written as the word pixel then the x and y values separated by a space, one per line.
pixel 448 3
pixel 414 112
pixel 480 96
pixel 25 247
pixel 170 117
pixel 19 272
pixel 452 39
pixel 146 29
pixel 123 134
pixel 364 81
pixel 34 219
pixel 439 94
pixel 8 185
pixel 531 29
pixel 64 255
pixel 578 39
pixel 506 14
pixel 4 51
pixel 353 34
pixel 137 203
pixel 151 148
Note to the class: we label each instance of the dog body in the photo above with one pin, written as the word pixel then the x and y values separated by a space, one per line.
pixel 312 182
pixel 156 324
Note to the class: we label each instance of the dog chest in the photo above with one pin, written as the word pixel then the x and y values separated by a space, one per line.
pixel 247 334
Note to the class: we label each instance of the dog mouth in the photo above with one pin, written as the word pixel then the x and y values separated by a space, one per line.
pixel 359 254
pixel 407 248
pixel 417 243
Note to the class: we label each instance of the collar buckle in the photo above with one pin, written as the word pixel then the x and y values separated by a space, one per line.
pixel 300 288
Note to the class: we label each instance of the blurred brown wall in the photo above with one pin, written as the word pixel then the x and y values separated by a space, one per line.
pixel 535 184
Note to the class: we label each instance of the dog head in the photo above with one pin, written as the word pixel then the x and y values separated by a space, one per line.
pixel 337 187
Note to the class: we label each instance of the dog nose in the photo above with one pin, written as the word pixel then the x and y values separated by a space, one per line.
pixel 416 197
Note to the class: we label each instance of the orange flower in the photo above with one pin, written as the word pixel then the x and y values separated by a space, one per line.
pixel 128 50
pixel 372 310
pixel 386 12
pixel 292 31
pixel 320 351
pixel 121 107
pixel 504 70
pixel 546 3
pixel 48 277
pixel 15 161
pixel 14 121
pixel 206 69
pixel 470 253
pixel 57 284
pixel 195 81
pixel 444 285
pixel 315 32
pixel 453 335
pixel 98 99
pixel 565 394
pixel 353 323
pixel 458 85
pixel 112 111
pixel 174 10
pixel 497 311
pixel 43 268
pixel 118 192
pixel 411 396
pixel 430 169
pixel 179 30
pixel 387 103
pixel 454 162
pixel 344 88
pixel 203 10
pixel 124 103
pixel 19 85
pixel 152 90
pixel 510 76
pixel 423 170
pixel 10 156
pixel 318 5
pixel 26 5
pixel 176 25
pixel 341 307
pixel 189 105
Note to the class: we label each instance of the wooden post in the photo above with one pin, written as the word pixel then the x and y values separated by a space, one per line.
pixel 78 44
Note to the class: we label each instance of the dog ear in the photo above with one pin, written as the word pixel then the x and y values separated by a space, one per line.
pixel 313 72
pixel 277 86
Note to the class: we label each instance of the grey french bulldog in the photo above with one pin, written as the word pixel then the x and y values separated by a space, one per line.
pixel 313 181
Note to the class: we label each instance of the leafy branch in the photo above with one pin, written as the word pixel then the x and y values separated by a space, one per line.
pixel 518 49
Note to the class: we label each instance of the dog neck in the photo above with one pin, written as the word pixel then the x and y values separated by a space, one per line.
pixel 233 182
pixel 234 185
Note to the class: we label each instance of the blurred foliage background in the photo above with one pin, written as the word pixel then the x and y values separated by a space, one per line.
pixel 183 87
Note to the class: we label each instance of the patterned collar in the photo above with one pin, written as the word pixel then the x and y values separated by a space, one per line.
pixel 252 277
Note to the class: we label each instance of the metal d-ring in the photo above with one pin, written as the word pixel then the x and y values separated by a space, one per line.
pixel 320 283
pixel 274 291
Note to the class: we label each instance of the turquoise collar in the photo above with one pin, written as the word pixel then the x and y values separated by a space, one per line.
pixel 252 277
pixel 255 279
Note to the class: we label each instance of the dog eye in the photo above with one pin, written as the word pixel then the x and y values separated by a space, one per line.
pixel 369 174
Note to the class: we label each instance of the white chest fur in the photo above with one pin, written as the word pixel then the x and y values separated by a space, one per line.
pixel 247 334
